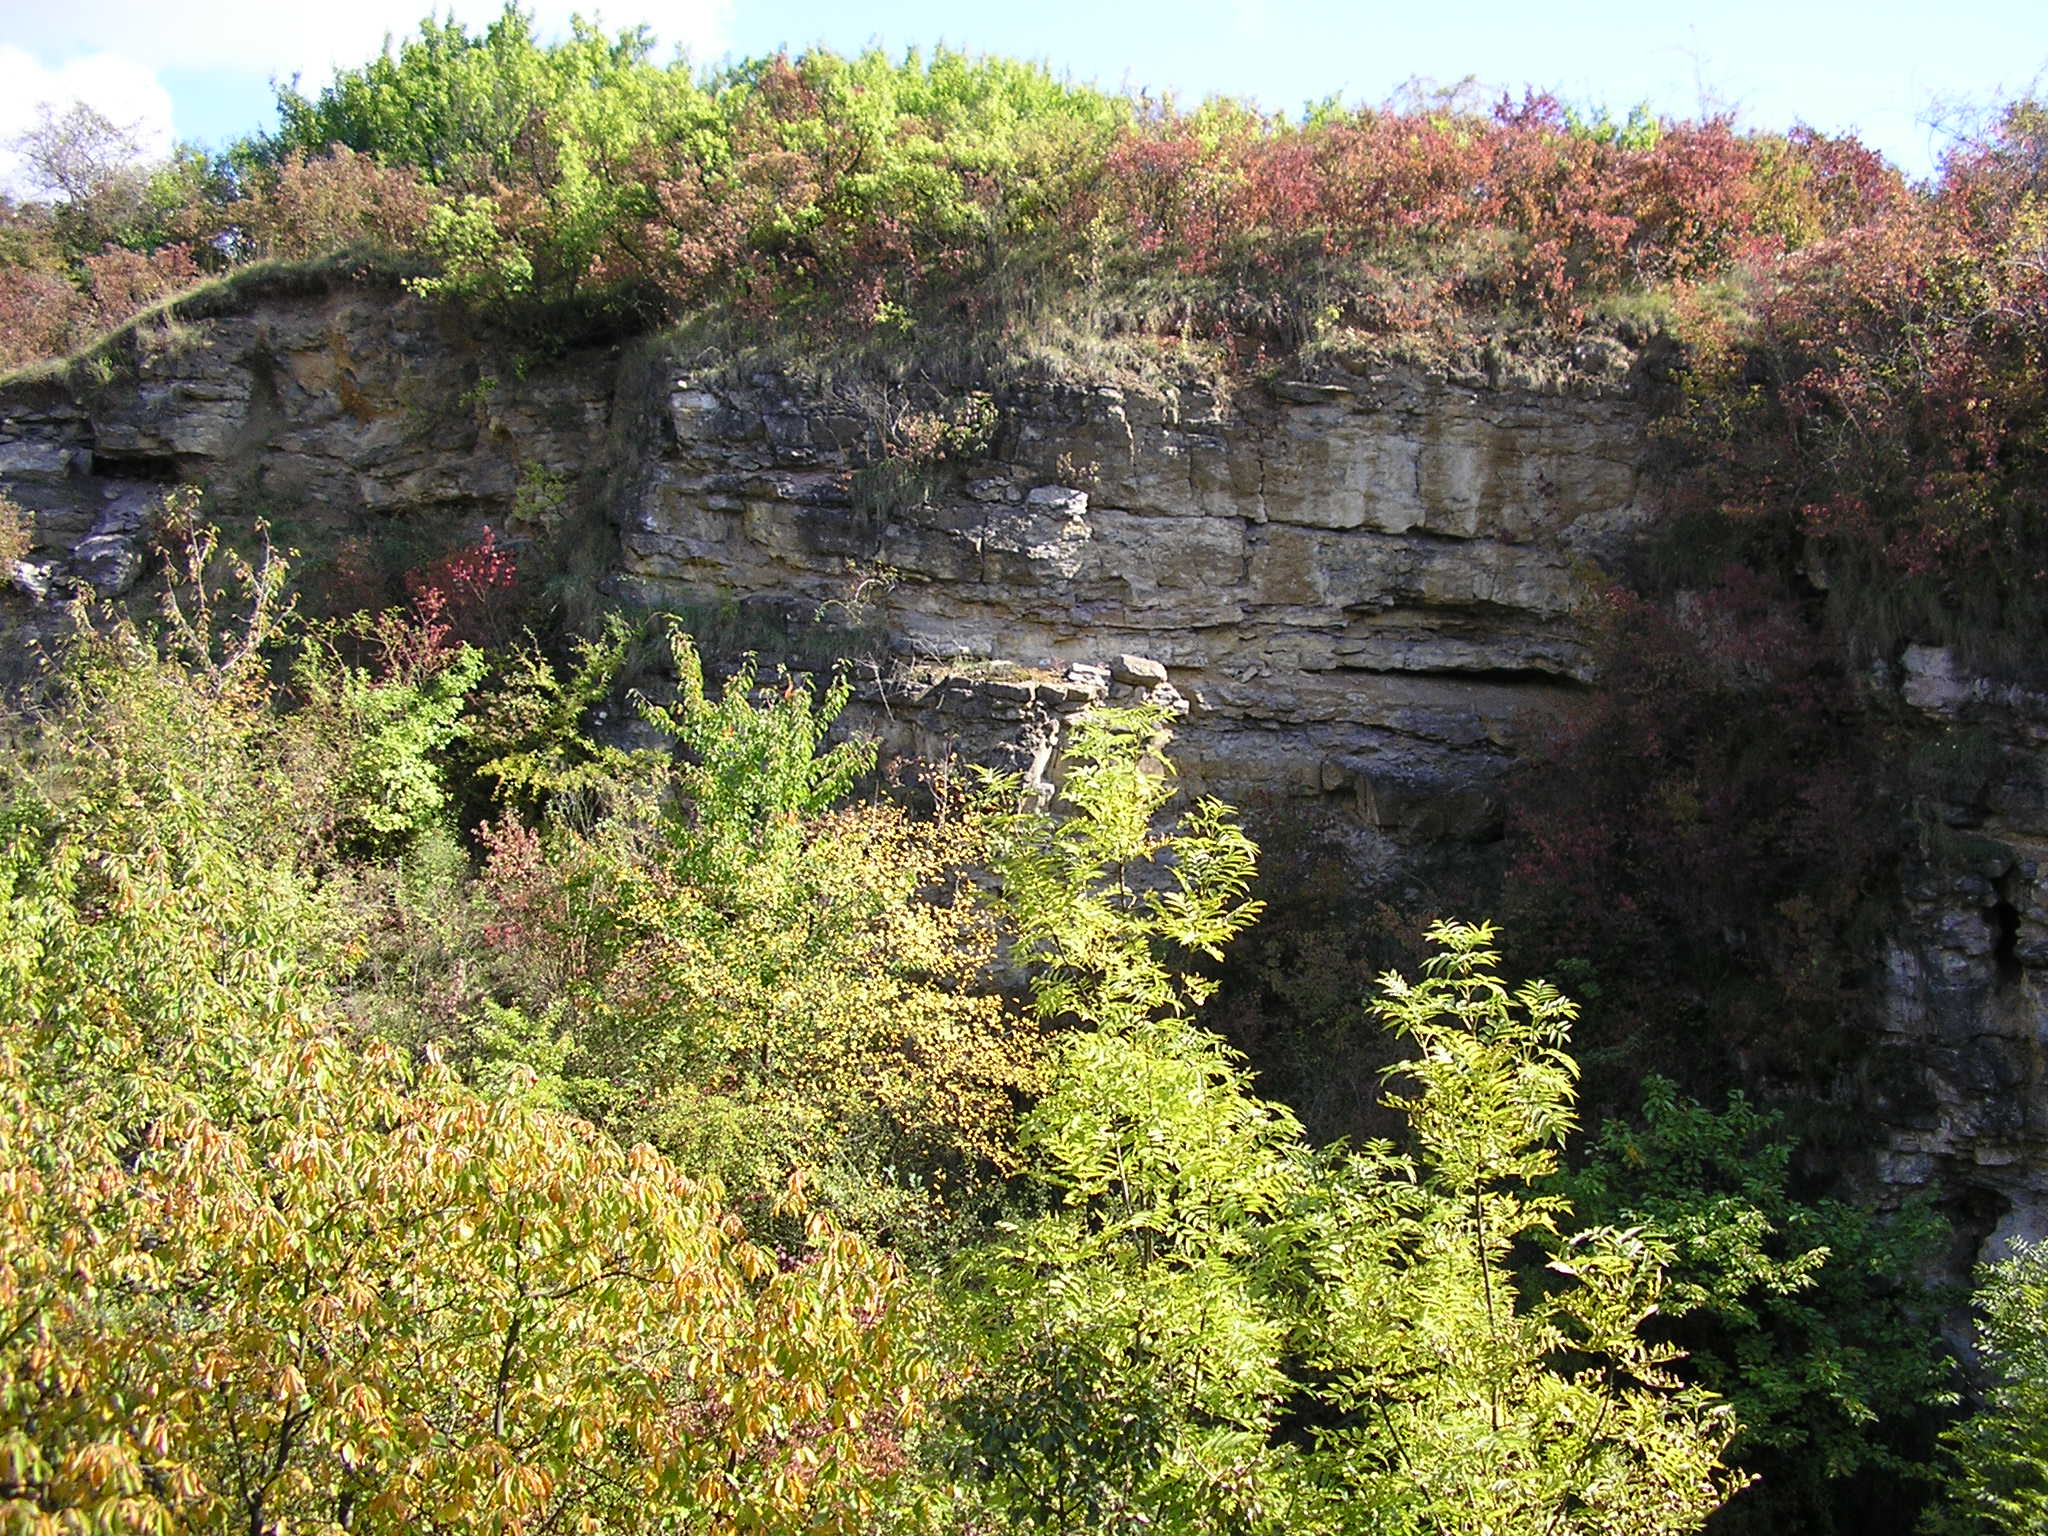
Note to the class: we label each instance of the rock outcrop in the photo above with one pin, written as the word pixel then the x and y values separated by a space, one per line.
pixel 1961 1078
pixel 320 411
pixel 1361 594
pixel 1364 590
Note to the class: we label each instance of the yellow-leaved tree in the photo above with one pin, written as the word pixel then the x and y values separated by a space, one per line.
pixel 257 1275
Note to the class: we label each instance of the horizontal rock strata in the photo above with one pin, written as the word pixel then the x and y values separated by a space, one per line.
pixel 1362 596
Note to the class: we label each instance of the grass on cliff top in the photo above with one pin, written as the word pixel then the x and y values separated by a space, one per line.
pixel 111 354
pixel 1152 329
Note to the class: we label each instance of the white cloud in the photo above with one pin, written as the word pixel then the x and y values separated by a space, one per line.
pixel 101 44
pixel 125 92
pixel 266 38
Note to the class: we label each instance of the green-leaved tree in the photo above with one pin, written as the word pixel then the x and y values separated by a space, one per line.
pixel 1218 1328
pixel 1471 1399
pixel 1997 1479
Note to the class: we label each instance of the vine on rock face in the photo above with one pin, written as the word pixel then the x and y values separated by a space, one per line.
pixel 1884 425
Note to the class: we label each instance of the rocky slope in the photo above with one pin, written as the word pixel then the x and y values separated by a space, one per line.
pixel 1363 590
pixel 1363 595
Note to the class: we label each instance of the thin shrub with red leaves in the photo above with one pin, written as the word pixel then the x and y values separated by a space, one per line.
pixel 314 205
pixel 1544 212
pixel 122 283
pixel 40 315
pixel 539 919
pixel 1890 415
pixel 470 592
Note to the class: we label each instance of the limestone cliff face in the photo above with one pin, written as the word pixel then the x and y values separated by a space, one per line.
pixel 1364 596
pixel 1365 590
pixel 1362 591
pixel 1960 1079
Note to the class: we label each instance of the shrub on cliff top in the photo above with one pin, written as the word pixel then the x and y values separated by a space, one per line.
pixel 877 193
pixel 1888 420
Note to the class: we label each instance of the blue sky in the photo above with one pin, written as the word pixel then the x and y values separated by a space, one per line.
pixel 202 71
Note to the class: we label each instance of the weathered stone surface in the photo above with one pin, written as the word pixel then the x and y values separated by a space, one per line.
pixel 110 557
pixel 328 410
pixel 1930 681
pixel 110 563
pixel 1961 1084
pixel 34 579
pixel 1286 557
pixel 30 457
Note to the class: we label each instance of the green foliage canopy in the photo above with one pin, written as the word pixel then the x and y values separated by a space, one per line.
pixel 1997 1477
pixel 1809 1316
pixel 1205 1281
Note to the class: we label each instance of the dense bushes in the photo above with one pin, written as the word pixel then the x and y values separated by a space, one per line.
pixel 259 1271
pixel 285 903
pixel 1808 1315
pixel 1703 841
pixel 1883 424
pixel 317 1207
pixel 892 194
